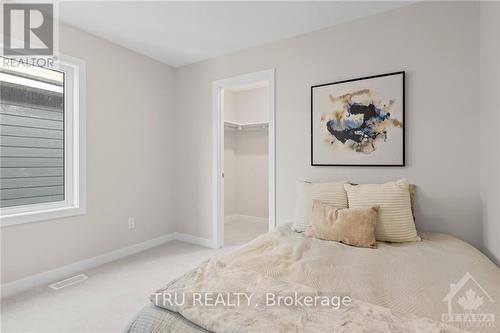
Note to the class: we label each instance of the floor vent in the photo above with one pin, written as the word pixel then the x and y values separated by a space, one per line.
pixel 68 282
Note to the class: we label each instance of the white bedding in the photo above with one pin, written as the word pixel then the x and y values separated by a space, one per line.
pixel 408 278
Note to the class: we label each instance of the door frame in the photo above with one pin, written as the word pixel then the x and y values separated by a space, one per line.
pixel 218 148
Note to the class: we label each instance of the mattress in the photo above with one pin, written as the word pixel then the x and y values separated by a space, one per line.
pixel 438 278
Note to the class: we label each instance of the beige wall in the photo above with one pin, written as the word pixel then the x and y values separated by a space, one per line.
pixel 436 43
pixel 130 152
pixel 489 99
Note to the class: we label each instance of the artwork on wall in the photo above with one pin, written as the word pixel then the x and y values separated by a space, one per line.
pixel 359 122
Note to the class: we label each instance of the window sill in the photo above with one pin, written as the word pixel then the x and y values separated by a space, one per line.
pixel 39 213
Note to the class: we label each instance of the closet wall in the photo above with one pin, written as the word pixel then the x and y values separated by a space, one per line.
pixel 246 155
pixel 246 106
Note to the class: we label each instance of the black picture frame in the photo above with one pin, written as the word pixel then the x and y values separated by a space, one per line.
pixel 403 158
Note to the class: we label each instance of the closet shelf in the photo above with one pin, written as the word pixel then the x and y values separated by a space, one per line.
pixel 247 126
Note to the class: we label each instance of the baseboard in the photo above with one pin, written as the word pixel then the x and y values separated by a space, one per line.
pixel 17 286
pixel 194 240
pixel 246 218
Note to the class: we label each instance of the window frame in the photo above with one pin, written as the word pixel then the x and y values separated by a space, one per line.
pixel 75 200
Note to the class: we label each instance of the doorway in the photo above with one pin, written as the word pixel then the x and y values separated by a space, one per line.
pixel 244 155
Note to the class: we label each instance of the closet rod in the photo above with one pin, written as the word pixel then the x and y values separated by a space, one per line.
pixel 248 126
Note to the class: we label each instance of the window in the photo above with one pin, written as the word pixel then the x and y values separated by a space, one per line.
pixel 42 151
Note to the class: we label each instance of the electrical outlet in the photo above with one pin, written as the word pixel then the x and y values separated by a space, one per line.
pixel 131 223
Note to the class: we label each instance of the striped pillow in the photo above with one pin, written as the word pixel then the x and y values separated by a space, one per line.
pixel 330 193
pixel 395 220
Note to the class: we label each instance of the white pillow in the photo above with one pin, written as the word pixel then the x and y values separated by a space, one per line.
pixel 395 220
pixel 331 193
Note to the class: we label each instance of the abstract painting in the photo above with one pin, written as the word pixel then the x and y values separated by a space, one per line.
pixel 359 122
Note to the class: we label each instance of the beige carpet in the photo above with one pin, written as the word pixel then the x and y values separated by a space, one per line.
pixel 109 299
pixel 114 292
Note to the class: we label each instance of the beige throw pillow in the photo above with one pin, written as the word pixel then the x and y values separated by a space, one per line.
pixel 352 226
pixel 332 193
pixel 395 219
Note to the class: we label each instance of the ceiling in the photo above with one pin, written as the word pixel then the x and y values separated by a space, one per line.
pixel 181 33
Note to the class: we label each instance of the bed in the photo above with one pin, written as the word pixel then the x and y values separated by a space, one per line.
pixel 418 283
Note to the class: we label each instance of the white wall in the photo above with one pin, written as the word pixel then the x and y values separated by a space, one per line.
pixel 130 152
pixel 252 186
pixel 246 154
pixel 252 106
pixel 489 100
pixel 246 106
pixel 229 106
pixel 246 173
pixel 230 173
pixel 436 43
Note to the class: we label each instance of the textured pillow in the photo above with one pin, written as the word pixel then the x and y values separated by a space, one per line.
pixel 395 220
pixel 413 189
pixel 332 193
pixel 352 226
